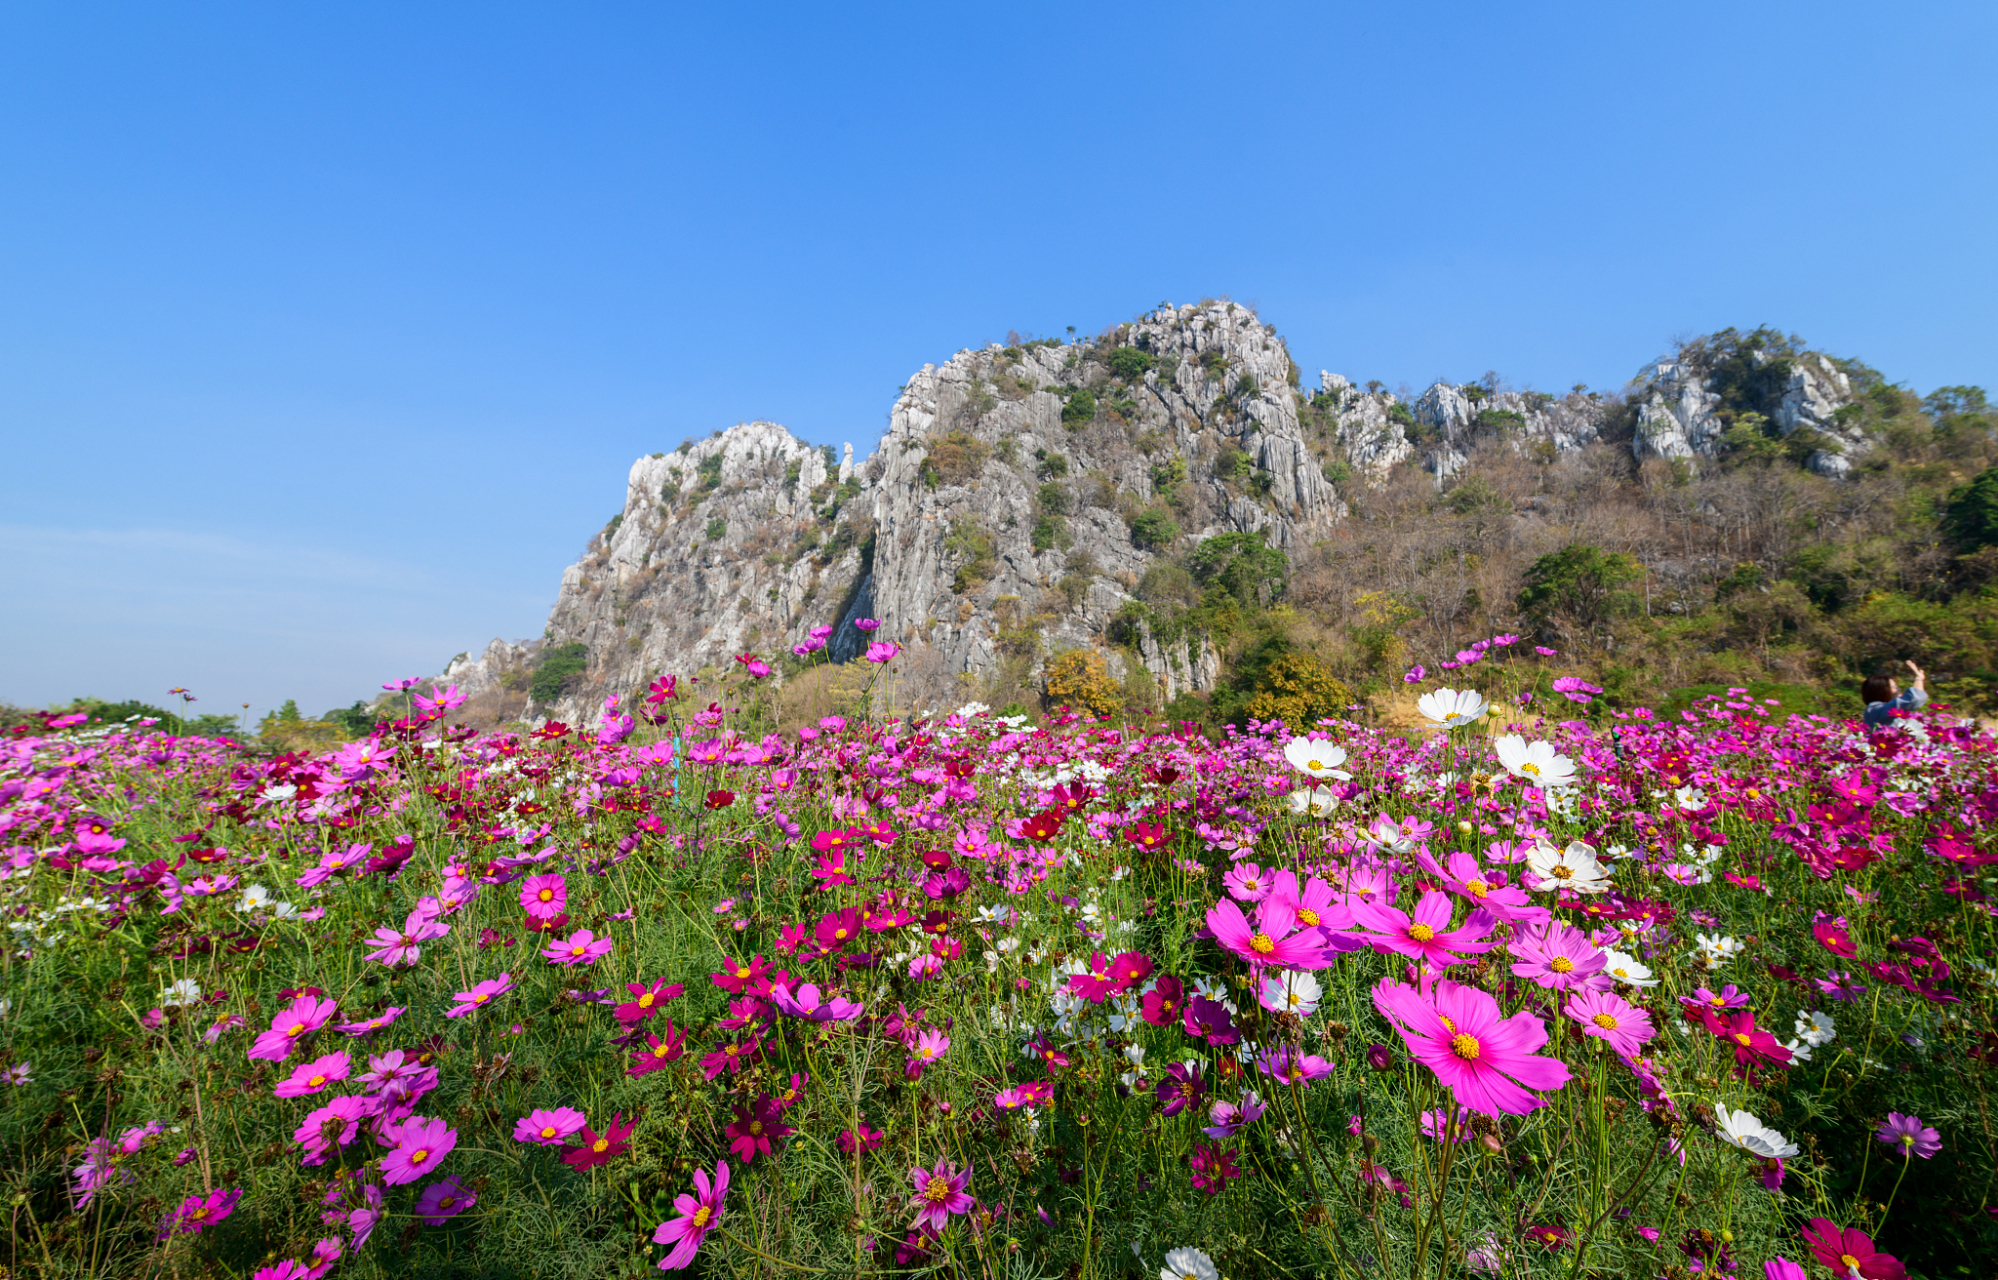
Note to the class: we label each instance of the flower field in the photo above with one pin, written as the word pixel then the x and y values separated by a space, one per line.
pixel 1602 996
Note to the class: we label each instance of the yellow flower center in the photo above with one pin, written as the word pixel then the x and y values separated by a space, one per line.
pixel 1527 766
pixel 1307 915
pixel 1421 932
pixel 315 1082
pixel 1741 1037
pixel 701 1216
pixel 1465 1047
pixel 578 949
pixel 547 895
pixel 645 1001
pixel 1447 1024
pixel 742 973
pixel 1561 964
pixel 755 1128
pixel 548 1131
pixel 660 1051
pixel 839 935
pixel 482 997
pixel 938 1191
pixel 1560 871
pixel 447 1202
pixel 1851 1263
pixel 600 1146
pixel 1478 887
pixel 296 1028
pixel 418 1156
pixel 1262 944
pixel 1314 766
pixel 1605 1021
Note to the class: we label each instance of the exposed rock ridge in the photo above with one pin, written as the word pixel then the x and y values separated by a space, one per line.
pixel 1021 494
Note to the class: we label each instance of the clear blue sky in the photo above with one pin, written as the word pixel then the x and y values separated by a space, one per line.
pixel 327 333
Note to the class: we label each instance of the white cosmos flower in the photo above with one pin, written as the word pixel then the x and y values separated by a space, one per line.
pixel 1297 993
pixel 1535 762
pixel 255 898
pixel 1313 802
pixel 184 992
pixel 1574 867
pixel 1627 969
pixel 1741 1129
pixel 1452 708
pixel 1320 759
pixel 1188 1264
pixel 1717 949
pixel 1815 1028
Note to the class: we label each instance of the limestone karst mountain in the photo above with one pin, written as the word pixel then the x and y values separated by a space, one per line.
pixel 1023 493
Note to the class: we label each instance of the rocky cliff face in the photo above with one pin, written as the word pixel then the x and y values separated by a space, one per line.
pixel 1678 414
pixel 1022 494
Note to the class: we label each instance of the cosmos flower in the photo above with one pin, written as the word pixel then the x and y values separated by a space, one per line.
pixel 593 1148
pixel 581 947
pixel 1850 1253
pixel 699 1214
pixel 1574 869
pixel 1316 758
pixel 1612 1019
pixel 1558 957
pixel 420 1144
pixel 755 1126
pixel 1908 1136
pixel 304 1016
pixel 939 1193
pixel 1742 1129
pixel 1452 708
pixel 443 1200
pixel 313 1076
pixel 544 897
pixel 548 1128
pixel 1487 1062
pixel 1188 1264
pixel 479 996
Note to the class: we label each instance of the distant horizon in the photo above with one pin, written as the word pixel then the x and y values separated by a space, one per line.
pixel 322 353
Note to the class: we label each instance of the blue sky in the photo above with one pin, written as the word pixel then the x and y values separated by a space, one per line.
pixel 327 334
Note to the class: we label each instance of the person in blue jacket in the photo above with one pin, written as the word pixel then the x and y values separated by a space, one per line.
pixel 1884 696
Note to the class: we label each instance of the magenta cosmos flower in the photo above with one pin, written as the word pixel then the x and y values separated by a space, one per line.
pixel 1908 1136
pixel 306 1015
pixel 334 1124
pixel 1560 958
pixel 420 1143
pixel 197 1212
pixel 314 1076
pixel 544 897
pixel 479 996
pixel 939 1194
pixel 1850 1253
pixel 549 1128
pixel 443 1200
pixel 699 1213
pixel 581 947
pixel 1271 941
pixel 1425 933
pixel 755 1127
pixel 1609 1017
pixel 1488 1062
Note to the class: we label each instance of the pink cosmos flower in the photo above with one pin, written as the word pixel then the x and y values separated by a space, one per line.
pixel 646 1001
pixel 1487 1062
pixel 699 1214
pixel 1247 882
pixel 581 947
pixel 1425 933
pixel 882 651
pixel 544 897
pixel 314 1076
pixel 420 1144
pixel 404 947
pixel 939 1193
pixel 1608 1016
pixel 929 1046
pixel 547 1127
pixel 334 1124
pixel 1850 1252
pixel 479 996
pixel 1487 889
pixel 443 1200
pixel 809 1002
pixel 1272 940
pixel 1289 1066
pixel 1560 958
pixel 305 1015
pixel 197 1212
